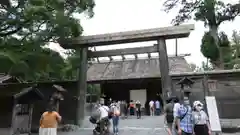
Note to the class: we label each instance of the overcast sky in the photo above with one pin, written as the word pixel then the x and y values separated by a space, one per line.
pixel 123 15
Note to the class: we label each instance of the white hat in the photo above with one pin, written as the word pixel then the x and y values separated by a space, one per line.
pixel 195 103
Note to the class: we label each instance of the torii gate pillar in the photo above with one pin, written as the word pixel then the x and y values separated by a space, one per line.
pixel 82 86
pixel 166 81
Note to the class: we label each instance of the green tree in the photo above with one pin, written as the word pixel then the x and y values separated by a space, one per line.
pixel 210 50
pixel 193 66
pixel 70 71
pixel 211 12
pixel 27 65
pixel 235 44
pixel 204 67
pixel 28 25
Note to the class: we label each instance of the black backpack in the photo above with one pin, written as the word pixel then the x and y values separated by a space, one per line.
pixel 169 114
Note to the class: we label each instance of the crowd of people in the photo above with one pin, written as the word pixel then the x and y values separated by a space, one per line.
pixel 113 110
pixel 182 118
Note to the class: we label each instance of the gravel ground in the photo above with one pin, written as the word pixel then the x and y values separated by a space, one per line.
pixel 145 126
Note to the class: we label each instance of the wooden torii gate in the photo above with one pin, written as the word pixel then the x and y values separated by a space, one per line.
pixel 157 34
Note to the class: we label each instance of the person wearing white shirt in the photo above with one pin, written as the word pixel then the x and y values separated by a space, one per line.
pixel 201 121
pixel 176 106
pixel 104 117
pixel 151 108
pixel 103 111
pixel 158 109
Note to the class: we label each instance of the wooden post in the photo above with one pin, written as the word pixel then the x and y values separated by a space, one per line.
pixel 205 89
pixel 14 113
pixel 205 86
pixel 136 56
pixel 95 51
pixel 82 86
pixel 57 105
pixel 176 47
pixel 149 55
pixel 164 70
pixel 30 118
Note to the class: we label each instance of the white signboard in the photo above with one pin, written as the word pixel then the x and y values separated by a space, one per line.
pixel 213 114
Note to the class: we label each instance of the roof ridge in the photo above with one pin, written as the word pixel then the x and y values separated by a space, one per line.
pixel 140 58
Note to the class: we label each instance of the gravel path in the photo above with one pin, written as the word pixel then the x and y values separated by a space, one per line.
pixel 145 126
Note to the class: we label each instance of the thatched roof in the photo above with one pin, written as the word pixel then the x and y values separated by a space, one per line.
pixel 4 77
pixel 28 95
pixel 133 69
pixel 7 78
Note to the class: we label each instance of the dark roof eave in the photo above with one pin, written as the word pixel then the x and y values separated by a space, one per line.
pixel 173 75
pixel 177 75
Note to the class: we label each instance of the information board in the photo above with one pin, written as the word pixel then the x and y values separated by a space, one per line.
pixel 213 114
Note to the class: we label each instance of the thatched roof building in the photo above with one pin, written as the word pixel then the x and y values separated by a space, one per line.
pixel 134 69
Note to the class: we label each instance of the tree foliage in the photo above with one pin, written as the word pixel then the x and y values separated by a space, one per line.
pixel 212 13
pixel 42 20
pixel 205 66
pixel 210 50
pixel 235 44
pixel 27 26
pixel 193 66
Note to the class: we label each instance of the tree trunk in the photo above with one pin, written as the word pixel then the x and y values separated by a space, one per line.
pixel 214 34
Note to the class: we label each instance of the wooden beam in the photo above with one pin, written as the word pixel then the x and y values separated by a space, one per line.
pixel 128 36
pixel 126 51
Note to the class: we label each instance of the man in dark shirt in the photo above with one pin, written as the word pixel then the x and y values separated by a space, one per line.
pixel 125 109
pixel 138 109
pixel 168 114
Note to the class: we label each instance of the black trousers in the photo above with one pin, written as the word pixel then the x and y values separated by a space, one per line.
pixel 184 133
pixel 125 112
pixel 138 113
pixel 102 123
pixel 201 130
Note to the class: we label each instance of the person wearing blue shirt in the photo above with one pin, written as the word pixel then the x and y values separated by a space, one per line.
pixel 185 118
